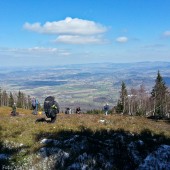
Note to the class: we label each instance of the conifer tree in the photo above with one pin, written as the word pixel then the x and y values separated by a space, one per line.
pixel 23 101
pixel 123 96
pixel 11 99
pixel 19 99
pixel 121 105
pixel 159 94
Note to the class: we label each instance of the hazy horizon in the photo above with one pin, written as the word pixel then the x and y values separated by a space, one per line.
pixel 81 64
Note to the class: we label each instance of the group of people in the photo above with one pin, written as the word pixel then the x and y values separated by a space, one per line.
pixel 78 110
pixel 51 108
pixel 69 111
pixel 35 105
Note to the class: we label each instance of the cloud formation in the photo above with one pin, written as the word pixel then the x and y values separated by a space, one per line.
pixel 78 39
pixel 67 26
pixel 166 34
pixel 71 30
pixel 122 39
pixel 35 51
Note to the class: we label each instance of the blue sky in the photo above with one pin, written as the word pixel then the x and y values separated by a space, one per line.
pixel 52 32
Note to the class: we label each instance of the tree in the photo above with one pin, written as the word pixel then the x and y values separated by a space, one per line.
pixel 29 104
pixel 123 96
pixel 19 99
pixel 121 105
pixel 133 101
pixel 143 101
pixel 4 98
pixel 159 96
pixel 11 100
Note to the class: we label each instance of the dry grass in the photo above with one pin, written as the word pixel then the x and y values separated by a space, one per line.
pixel 23 129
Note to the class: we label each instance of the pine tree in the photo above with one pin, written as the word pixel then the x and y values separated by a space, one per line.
pixel 23 101
pixel 11 100
pixel 159 94
pixel 19 100
pixel 121 105
pixel 124 96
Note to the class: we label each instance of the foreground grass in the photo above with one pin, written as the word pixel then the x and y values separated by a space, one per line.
pixel 22 133
pixel 23 129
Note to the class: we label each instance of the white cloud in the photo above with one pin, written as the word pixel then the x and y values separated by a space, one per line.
pixel 42 50
pixel 70 25
pixel 77 39
pixel 166 34
pixel 33 27
pixel 35 51
pixel 122 39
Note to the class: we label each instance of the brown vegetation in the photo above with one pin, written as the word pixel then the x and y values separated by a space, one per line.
pixel 23 129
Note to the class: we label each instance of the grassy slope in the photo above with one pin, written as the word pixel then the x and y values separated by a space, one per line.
pixel 23 129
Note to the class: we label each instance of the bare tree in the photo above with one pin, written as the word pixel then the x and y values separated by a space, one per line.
pixel 4 98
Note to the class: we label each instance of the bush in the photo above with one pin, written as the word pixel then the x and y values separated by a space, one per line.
pixel 94 111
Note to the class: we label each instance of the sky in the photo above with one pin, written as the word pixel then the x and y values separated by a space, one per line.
pixel 61 32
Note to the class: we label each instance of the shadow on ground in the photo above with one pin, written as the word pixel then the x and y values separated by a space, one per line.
pixel 87 149
pixel 7 151
pixel 103 149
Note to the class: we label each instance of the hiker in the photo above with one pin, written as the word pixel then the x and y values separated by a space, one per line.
pixel 35 104
pixel 68 110
pixel 78 110
pixel 106 108
pixel 14 108
pixel 51 108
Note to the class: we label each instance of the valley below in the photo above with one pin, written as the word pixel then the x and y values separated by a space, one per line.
pixel 89 86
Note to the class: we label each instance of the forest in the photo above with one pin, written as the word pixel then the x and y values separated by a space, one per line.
pixel 141 102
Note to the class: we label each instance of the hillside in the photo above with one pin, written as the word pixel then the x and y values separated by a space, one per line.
pixel 83 141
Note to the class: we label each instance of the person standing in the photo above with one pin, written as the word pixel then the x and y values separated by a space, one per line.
pixel 106 109
pixel 35 104
pixel 14 108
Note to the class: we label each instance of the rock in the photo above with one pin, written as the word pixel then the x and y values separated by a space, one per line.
pixel 3 156
pixel 159 159
pixel 101 121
